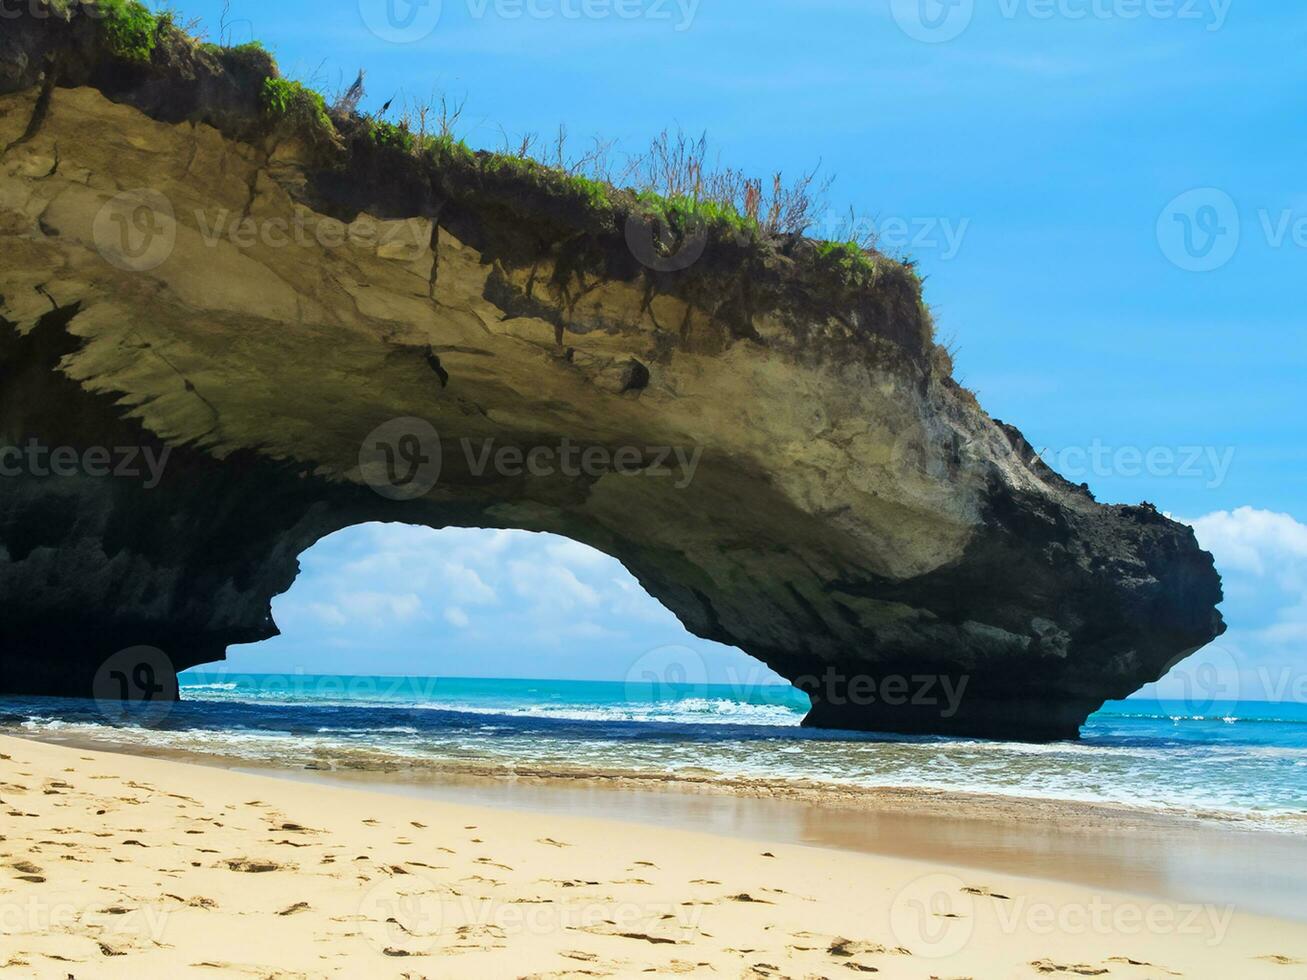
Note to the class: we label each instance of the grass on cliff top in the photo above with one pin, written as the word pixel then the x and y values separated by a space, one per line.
pixel 298 106
pixel 672 182
pixel 130 29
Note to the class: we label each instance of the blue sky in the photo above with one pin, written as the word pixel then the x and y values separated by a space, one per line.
pixel 1107 196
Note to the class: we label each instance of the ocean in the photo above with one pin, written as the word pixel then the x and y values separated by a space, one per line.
pixel 1244 760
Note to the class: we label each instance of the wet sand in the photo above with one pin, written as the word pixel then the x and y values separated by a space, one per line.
pixel 124 866
pixel 1183 859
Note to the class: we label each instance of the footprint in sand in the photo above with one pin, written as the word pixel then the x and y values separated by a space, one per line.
pixel 193 902
pixel 612 929
pixel 986 893
pixel 1152 966
pixel 251 867
pixel 851 947
pixel 1080 969
pixel 1279 959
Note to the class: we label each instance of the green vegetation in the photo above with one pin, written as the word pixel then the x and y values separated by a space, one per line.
pixel 687 213
pixel 390 135
pixel 244 60
pixel 448 148
pixel 592 192
pixel 398 136
pixel 849 259
pixel 131 29
pixel 673 182
pixel 298 105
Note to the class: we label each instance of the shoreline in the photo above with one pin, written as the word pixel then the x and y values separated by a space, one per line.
pixel 1174 856
pixel 827 793
pixel 128 866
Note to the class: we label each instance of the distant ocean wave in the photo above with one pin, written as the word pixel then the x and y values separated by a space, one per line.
pixel 1248 764
pixel 472 697
pixel 1225 719
pixel 690 711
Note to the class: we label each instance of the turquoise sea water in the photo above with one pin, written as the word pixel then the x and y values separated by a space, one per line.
pixel 1245 759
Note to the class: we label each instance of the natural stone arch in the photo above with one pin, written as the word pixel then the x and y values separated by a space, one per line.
pixel 854 515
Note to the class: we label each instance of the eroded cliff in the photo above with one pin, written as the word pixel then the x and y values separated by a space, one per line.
pixel 292 328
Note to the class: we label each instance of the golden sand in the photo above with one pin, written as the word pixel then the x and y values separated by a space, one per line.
pixel 119 866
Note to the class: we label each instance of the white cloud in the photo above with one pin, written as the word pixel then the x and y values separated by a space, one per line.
pixel 565 551
pixel 628 600
pixel 1262 558
pixel 1254 541
pixel 327 613
pixel 550 585
pixel 466 585
pixel 380 608
pixel 560 608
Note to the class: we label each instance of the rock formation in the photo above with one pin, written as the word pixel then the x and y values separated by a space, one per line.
pixel 227 330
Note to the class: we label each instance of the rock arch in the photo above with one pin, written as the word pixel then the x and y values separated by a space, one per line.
pixel 853 515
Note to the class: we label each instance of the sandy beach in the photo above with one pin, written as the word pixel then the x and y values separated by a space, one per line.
pixel 119 866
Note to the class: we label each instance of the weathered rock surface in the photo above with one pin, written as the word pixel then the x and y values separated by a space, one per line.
pixel 854 516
